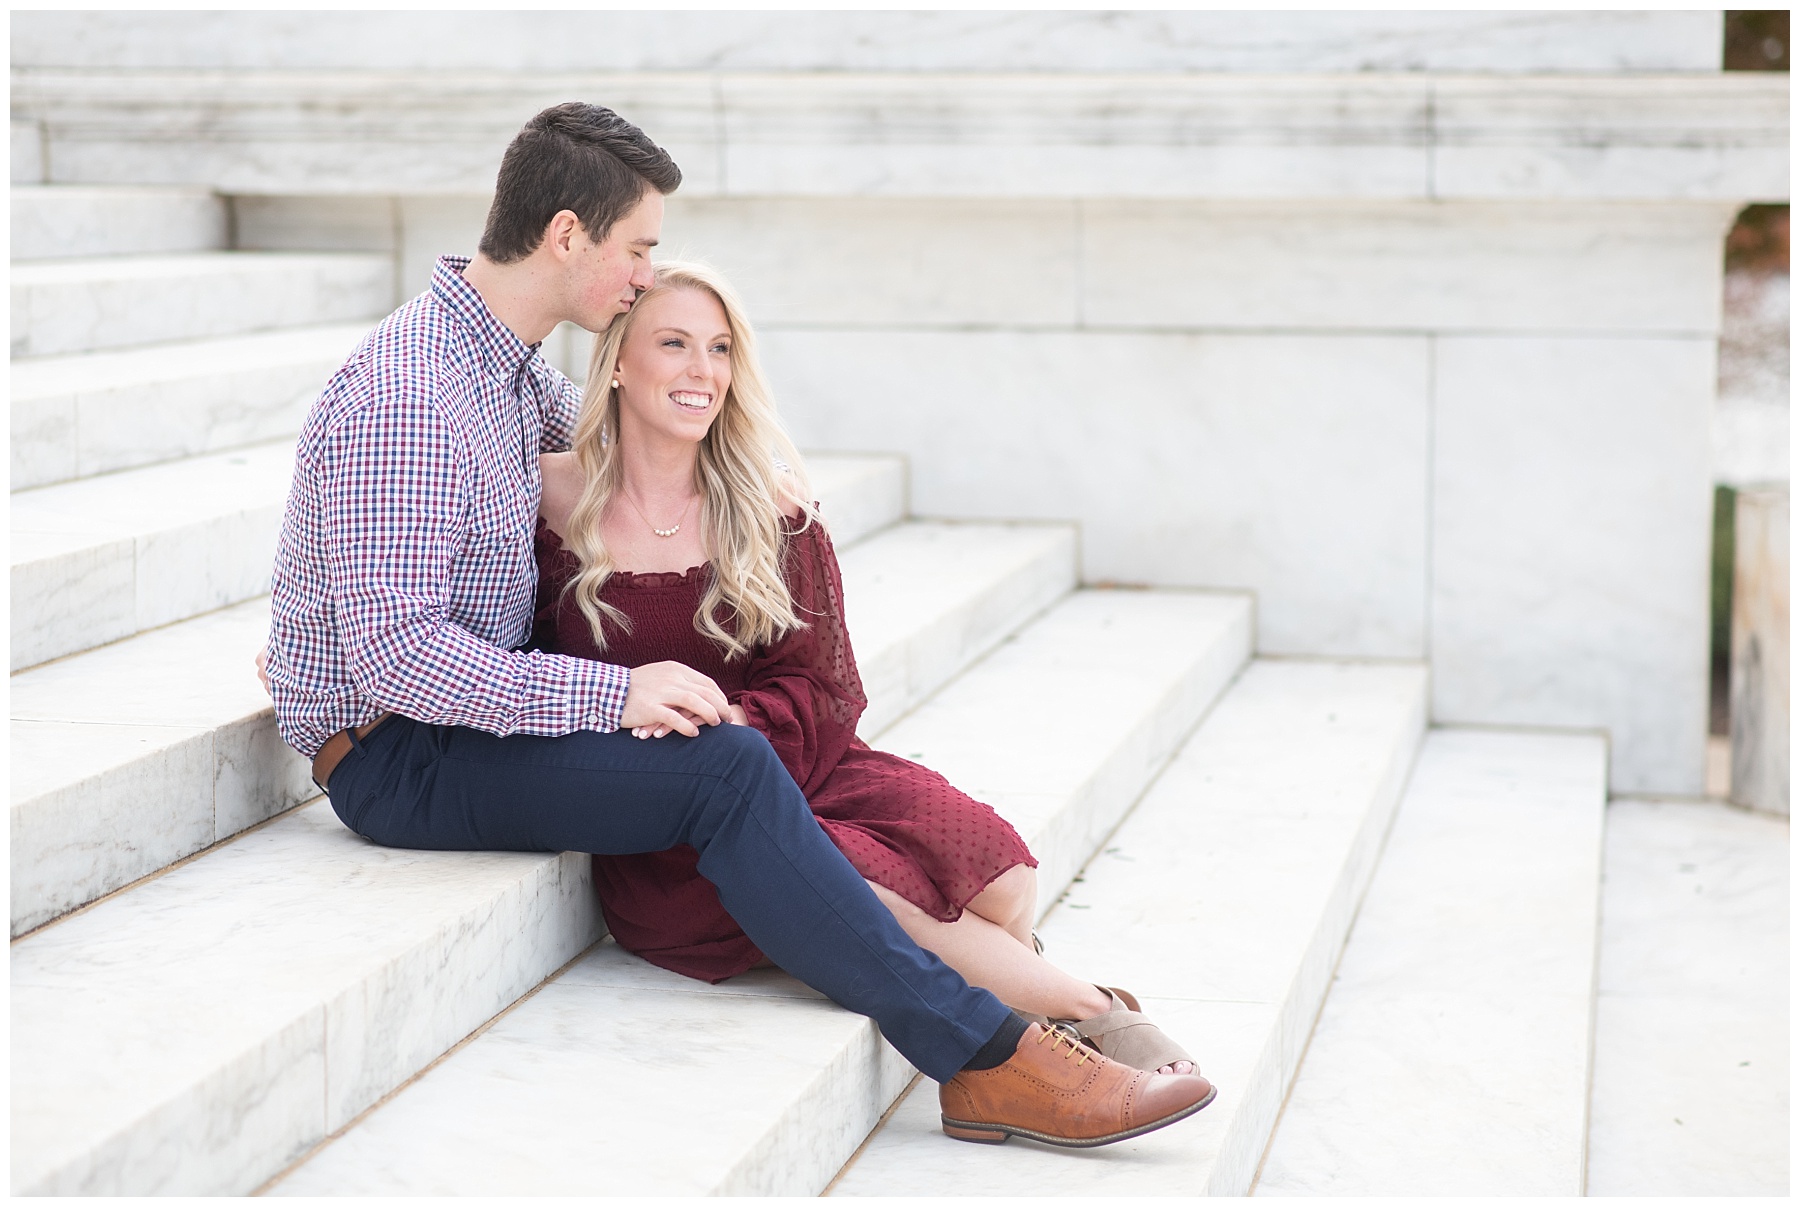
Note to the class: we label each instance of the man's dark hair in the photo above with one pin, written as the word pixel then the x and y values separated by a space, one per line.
pixel 577 157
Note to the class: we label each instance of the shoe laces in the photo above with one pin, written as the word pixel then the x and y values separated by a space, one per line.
pixel 1058 1037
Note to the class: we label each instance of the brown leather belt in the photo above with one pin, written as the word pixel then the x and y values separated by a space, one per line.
pixel 336 747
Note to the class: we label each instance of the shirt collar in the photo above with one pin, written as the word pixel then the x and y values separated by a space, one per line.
pixel 498 343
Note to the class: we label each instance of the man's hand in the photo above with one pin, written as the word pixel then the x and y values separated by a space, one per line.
pixel 669 697
pixel 262 671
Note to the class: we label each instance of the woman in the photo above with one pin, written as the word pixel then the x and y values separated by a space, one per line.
pixel 679 528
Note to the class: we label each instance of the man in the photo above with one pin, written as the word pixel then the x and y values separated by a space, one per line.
pixel 404 584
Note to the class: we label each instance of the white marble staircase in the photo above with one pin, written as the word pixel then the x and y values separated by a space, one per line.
pixel 216 987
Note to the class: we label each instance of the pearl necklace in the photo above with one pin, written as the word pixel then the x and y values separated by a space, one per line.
pixel 662 532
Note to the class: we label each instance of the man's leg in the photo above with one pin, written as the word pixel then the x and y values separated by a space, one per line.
pixel 726 794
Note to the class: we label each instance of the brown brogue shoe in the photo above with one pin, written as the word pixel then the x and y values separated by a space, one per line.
pixel 1059 1091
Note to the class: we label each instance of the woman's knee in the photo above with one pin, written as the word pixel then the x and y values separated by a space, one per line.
pixel 1011 892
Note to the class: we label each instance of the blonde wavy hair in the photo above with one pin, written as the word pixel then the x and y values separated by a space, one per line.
pixel 748 474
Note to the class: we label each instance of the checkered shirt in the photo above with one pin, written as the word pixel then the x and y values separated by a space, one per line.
pixel 404 578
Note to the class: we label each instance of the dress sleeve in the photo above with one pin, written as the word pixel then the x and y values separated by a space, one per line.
pixel 802 690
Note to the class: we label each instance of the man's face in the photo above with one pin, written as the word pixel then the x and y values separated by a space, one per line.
pixel 606 277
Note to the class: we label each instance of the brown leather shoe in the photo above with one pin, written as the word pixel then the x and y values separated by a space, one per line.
pixel 1062 1092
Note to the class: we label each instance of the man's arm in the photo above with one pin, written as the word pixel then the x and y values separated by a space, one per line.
pixel 393 525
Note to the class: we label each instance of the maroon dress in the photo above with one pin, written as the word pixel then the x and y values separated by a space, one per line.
pixel 901 825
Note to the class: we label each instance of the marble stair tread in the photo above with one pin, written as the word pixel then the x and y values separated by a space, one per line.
pixel 900 581
pixel 259 997
pixel 858 493
pixel 100 558
pixel 60 221
pixel 1452 1055
pixel 129 757
pixel 575 1091
pixel 99 412
pixel 82 305
pixel 1221 902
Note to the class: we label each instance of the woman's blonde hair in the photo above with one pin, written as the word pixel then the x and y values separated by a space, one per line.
pixel 748 475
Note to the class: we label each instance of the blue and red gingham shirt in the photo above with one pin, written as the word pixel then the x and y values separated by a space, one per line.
pixel 404 578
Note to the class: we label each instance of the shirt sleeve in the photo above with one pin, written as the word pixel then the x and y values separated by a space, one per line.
pixel 564 407
pixel 394 525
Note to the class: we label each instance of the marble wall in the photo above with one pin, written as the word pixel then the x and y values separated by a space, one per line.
pixel 1473 432
pixel 877 41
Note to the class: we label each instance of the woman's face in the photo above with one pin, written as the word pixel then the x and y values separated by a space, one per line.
pixel 675 365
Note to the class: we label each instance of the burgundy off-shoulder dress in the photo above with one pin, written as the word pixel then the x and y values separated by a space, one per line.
pixel 901 825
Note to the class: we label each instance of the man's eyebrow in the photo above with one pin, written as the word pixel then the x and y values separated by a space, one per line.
pixel 645 242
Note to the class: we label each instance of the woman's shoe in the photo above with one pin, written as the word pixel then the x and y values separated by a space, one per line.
pixel 1125 1035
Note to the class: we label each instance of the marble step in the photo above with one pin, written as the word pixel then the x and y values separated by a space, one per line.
pixel 99 412
pixel 131 756
pixel 99 559
pixel 1222 902
pixel 858 493
pixel 1452 1055
pixel 52 222
pixel 83 305
pixel 619 1078
pixel 267 992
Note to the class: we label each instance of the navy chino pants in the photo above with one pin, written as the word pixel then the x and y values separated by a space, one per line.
pixel 447 788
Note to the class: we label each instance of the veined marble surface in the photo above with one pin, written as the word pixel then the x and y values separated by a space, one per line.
pixel 925 598
pixel 254 1000
pixel 557 1096
pixel 806 1081
pixel 81 305
pixel 883 41
pixel 99 412
pixel 1221 901
pixel 1292 465
pixel 97 806
pixel 1451 1057
pixel 52 223
pixel 1571 529
pixel 1695 136
pixel 857 495
pixel 1691 1041
pixel 151 546
pixel 132 756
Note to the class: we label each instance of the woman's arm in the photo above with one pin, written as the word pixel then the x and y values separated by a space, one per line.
pixel 802 691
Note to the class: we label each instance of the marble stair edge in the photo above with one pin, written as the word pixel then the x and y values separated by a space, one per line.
pixel 804 1082
pixel 1247 859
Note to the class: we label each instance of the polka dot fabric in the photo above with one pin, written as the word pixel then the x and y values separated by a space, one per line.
pixel 901 825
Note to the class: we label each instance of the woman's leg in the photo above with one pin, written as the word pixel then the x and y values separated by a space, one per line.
pixel 994 958
pixel 1010 903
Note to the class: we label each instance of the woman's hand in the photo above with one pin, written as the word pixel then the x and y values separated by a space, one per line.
pixel 734 715
pixel 669 697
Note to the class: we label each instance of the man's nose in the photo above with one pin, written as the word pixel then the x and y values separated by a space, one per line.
pixel 643 276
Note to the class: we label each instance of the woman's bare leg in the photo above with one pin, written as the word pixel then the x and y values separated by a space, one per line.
pixel 1010 903
pixel 994 958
